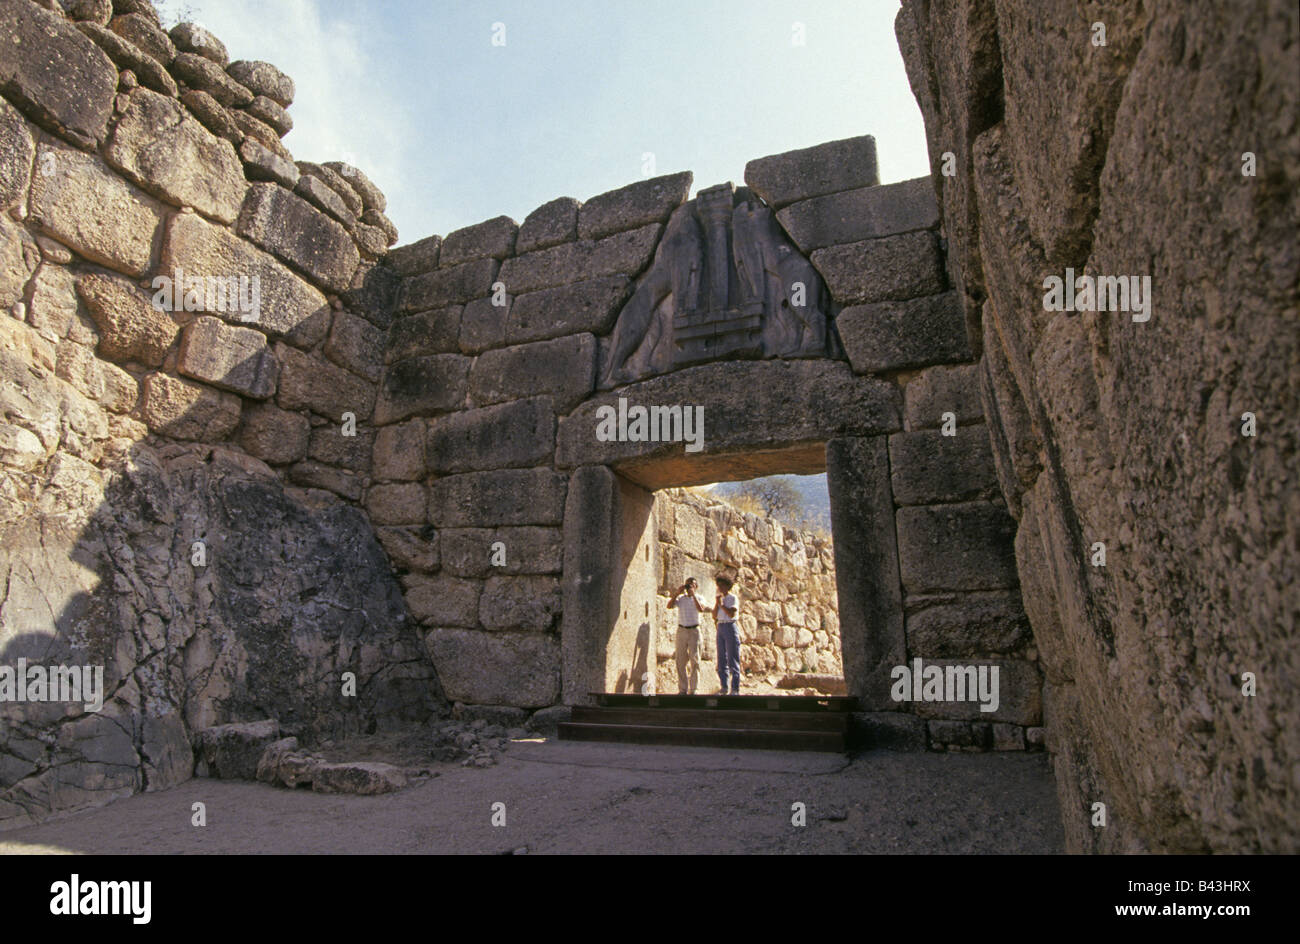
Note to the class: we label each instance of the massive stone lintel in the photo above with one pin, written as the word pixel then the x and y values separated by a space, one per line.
pixel 726 282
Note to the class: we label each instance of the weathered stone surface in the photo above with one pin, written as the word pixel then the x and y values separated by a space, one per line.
pixel 190 37
pixel 891 268
pixel 549 225
pixel 356 344
pixel 261 163
pixel 812 172
pixel 941 390
pixel 289 228
pixel 17 151
pixel 473 552
pixel 186 410
pixel 274 435
pixel 973 625
pixel 621 254
pixel 54 74
pixel 928 467
pixel 168 153
pixel 785 403
pixel 415 258
pixel 893 335
pixel 1019 695
pixel 372 198
pixel 336 183
pixel 109 386
pixel 436 383
pixel 53 308
pixel 563 369
pixel 360 778
pixel 491 499
pixel 144 33
pixel 94 212
pixel 399 452
pixel 260 131
pixel 318 193
pixel 410 548
pixel 525 604
pixel 311 382
pixel 345 484
pixel 95 11
pixel 232 751
pixel 234 359
pixel 443 600
pixel 265 110
pixel 493 238
pixel 328 444
pixel 511 435
pixel 966 546
pixel 402 503
pixel 20 449
pixel 865 213
pixel 426 332
pixel 870 607
pixel 206 76
pixel 126 55
pixel 289 307
pixel 212 115
pixel 483 325
pixel 372 294
pixel 452 286
pixel 646 201
pixel 262 78
pixel 888 730
pixel 520 669
pixel 568 309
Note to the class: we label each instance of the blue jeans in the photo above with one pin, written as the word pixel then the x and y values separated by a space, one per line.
pixel 729 656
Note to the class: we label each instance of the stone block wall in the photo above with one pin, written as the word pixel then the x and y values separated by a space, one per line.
pixel 178 484
pixel 785 579
pixel 1170 153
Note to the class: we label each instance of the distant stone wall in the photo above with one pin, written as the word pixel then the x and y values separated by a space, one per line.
pixel 177 489
pixel 785 579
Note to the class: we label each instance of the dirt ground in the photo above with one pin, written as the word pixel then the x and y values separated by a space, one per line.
pixel 568 797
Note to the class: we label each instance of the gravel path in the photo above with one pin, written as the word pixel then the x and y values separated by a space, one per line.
pixel 566 797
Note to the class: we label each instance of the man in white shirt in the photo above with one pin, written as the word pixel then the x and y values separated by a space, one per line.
pixel 688 607
pixel 726 612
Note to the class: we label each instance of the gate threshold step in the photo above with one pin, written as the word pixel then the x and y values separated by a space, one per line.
pixel 834 721
pixel 747 738
pixel 824 703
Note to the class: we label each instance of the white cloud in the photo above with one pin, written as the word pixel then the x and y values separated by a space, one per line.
pixel 340 110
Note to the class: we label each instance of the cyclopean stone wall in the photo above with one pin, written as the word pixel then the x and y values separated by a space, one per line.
pixel 176 489
pixel 1167 150
pixel 785 579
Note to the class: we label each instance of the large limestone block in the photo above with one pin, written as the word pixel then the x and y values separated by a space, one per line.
pixel 624 253
pixel 79 201
pixel 399 452
pixel 483 552
pixel 563 369
pixel 311 382
pixel 865 213
pixel 568 309
pixel 505 497
pixel 373 294
pixel 167 152
pixel 130 327
pixel 58 77
pixel 186 410
pixel 646 201
pixel 262 78
pixel 341 482
pixel 891 268
pixel 436 383
pixel 689 530
pixel 811 172
pixel 400 503
pixel 748 405
pixel 355 344
pixel 415 258
pixel 288 306
pixel 928 467
pixel 494 238
pixel 411 548
pixel 940 390
pixel 206 76
pixel 549 225
pixel 895 335
pixel 19 257
pixel 973 624
pixel 17 151
pixel 483 324
pixel 331 446
pixel 510 435
pixel 521 603
pixel 274 435
pixel 1019 691
pixel 426 332
pixel 483 668
pixel 452 286
pixel 231 751
pixel 234 359
pixel 966 546
pixel 296 232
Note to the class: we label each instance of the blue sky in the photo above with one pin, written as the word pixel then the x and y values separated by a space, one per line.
pixel 456 130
